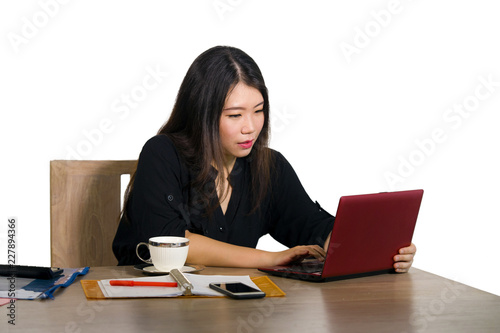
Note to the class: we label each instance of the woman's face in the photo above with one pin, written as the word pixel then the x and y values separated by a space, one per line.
pixel 241 121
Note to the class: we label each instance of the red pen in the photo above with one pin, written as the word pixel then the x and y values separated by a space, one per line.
pixel 131 283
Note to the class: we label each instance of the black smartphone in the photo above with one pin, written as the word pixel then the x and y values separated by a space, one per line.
pixel 237 290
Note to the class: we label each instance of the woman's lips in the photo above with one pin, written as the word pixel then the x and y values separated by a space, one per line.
pixel 246 144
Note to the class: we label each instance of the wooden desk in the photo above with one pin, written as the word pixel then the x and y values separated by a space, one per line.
pixel 413 302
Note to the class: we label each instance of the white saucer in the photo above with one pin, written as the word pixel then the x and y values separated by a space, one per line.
pixel 151 270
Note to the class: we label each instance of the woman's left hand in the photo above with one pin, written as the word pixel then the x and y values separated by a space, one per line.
pixel 403 260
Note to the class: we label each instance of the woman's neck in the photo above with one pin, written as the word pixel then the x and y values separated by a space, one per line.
pixel 229 163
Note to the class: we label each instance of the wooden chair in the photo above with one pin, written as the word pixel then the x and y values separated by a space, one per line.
pixel 85 210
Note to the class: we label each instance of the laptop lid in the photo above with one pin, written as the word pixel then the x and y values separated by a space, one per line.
pixel 368 231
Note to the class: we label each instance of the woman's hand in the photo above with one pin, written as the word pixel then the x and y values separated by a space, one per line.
pixel 297 254
pixel 403 260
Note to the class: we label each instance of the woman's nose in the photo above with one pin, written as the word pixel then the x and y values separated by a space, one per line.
pixel 248 126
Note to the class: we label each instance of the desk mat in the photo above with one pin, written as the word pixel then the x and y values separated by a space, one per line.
pixel 93 291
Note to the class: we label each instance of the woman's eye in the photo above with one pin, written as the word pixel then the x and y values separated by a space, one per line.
pixel 259 111
pixel 234 115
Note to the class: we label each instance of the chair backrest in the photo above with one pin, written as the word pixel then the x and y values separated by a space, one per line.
pixel 84 211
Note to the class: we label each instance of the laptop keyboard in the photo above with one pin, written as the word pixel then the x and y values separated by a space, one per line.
pixel 313 266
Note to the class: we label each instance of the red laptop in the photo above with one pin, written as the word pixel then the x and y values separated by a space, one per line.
pixel 367 233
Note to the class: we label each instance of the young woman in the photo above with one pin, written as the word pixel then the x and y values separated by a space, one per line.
pixel 209 176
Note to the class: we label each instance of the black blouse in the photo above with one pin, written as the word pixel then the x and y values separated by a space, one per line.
pixel 162 202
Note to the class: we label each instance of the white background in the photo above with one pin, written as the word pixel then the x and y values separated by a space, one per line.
pixel 344 119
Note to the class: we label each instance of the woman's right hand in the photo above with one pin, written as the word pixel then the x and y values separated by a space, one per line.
pixel 297 254
pixel 211 252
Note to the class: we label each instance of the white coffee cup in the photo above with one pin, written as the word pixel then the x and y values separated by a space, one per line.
pixel 167 252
